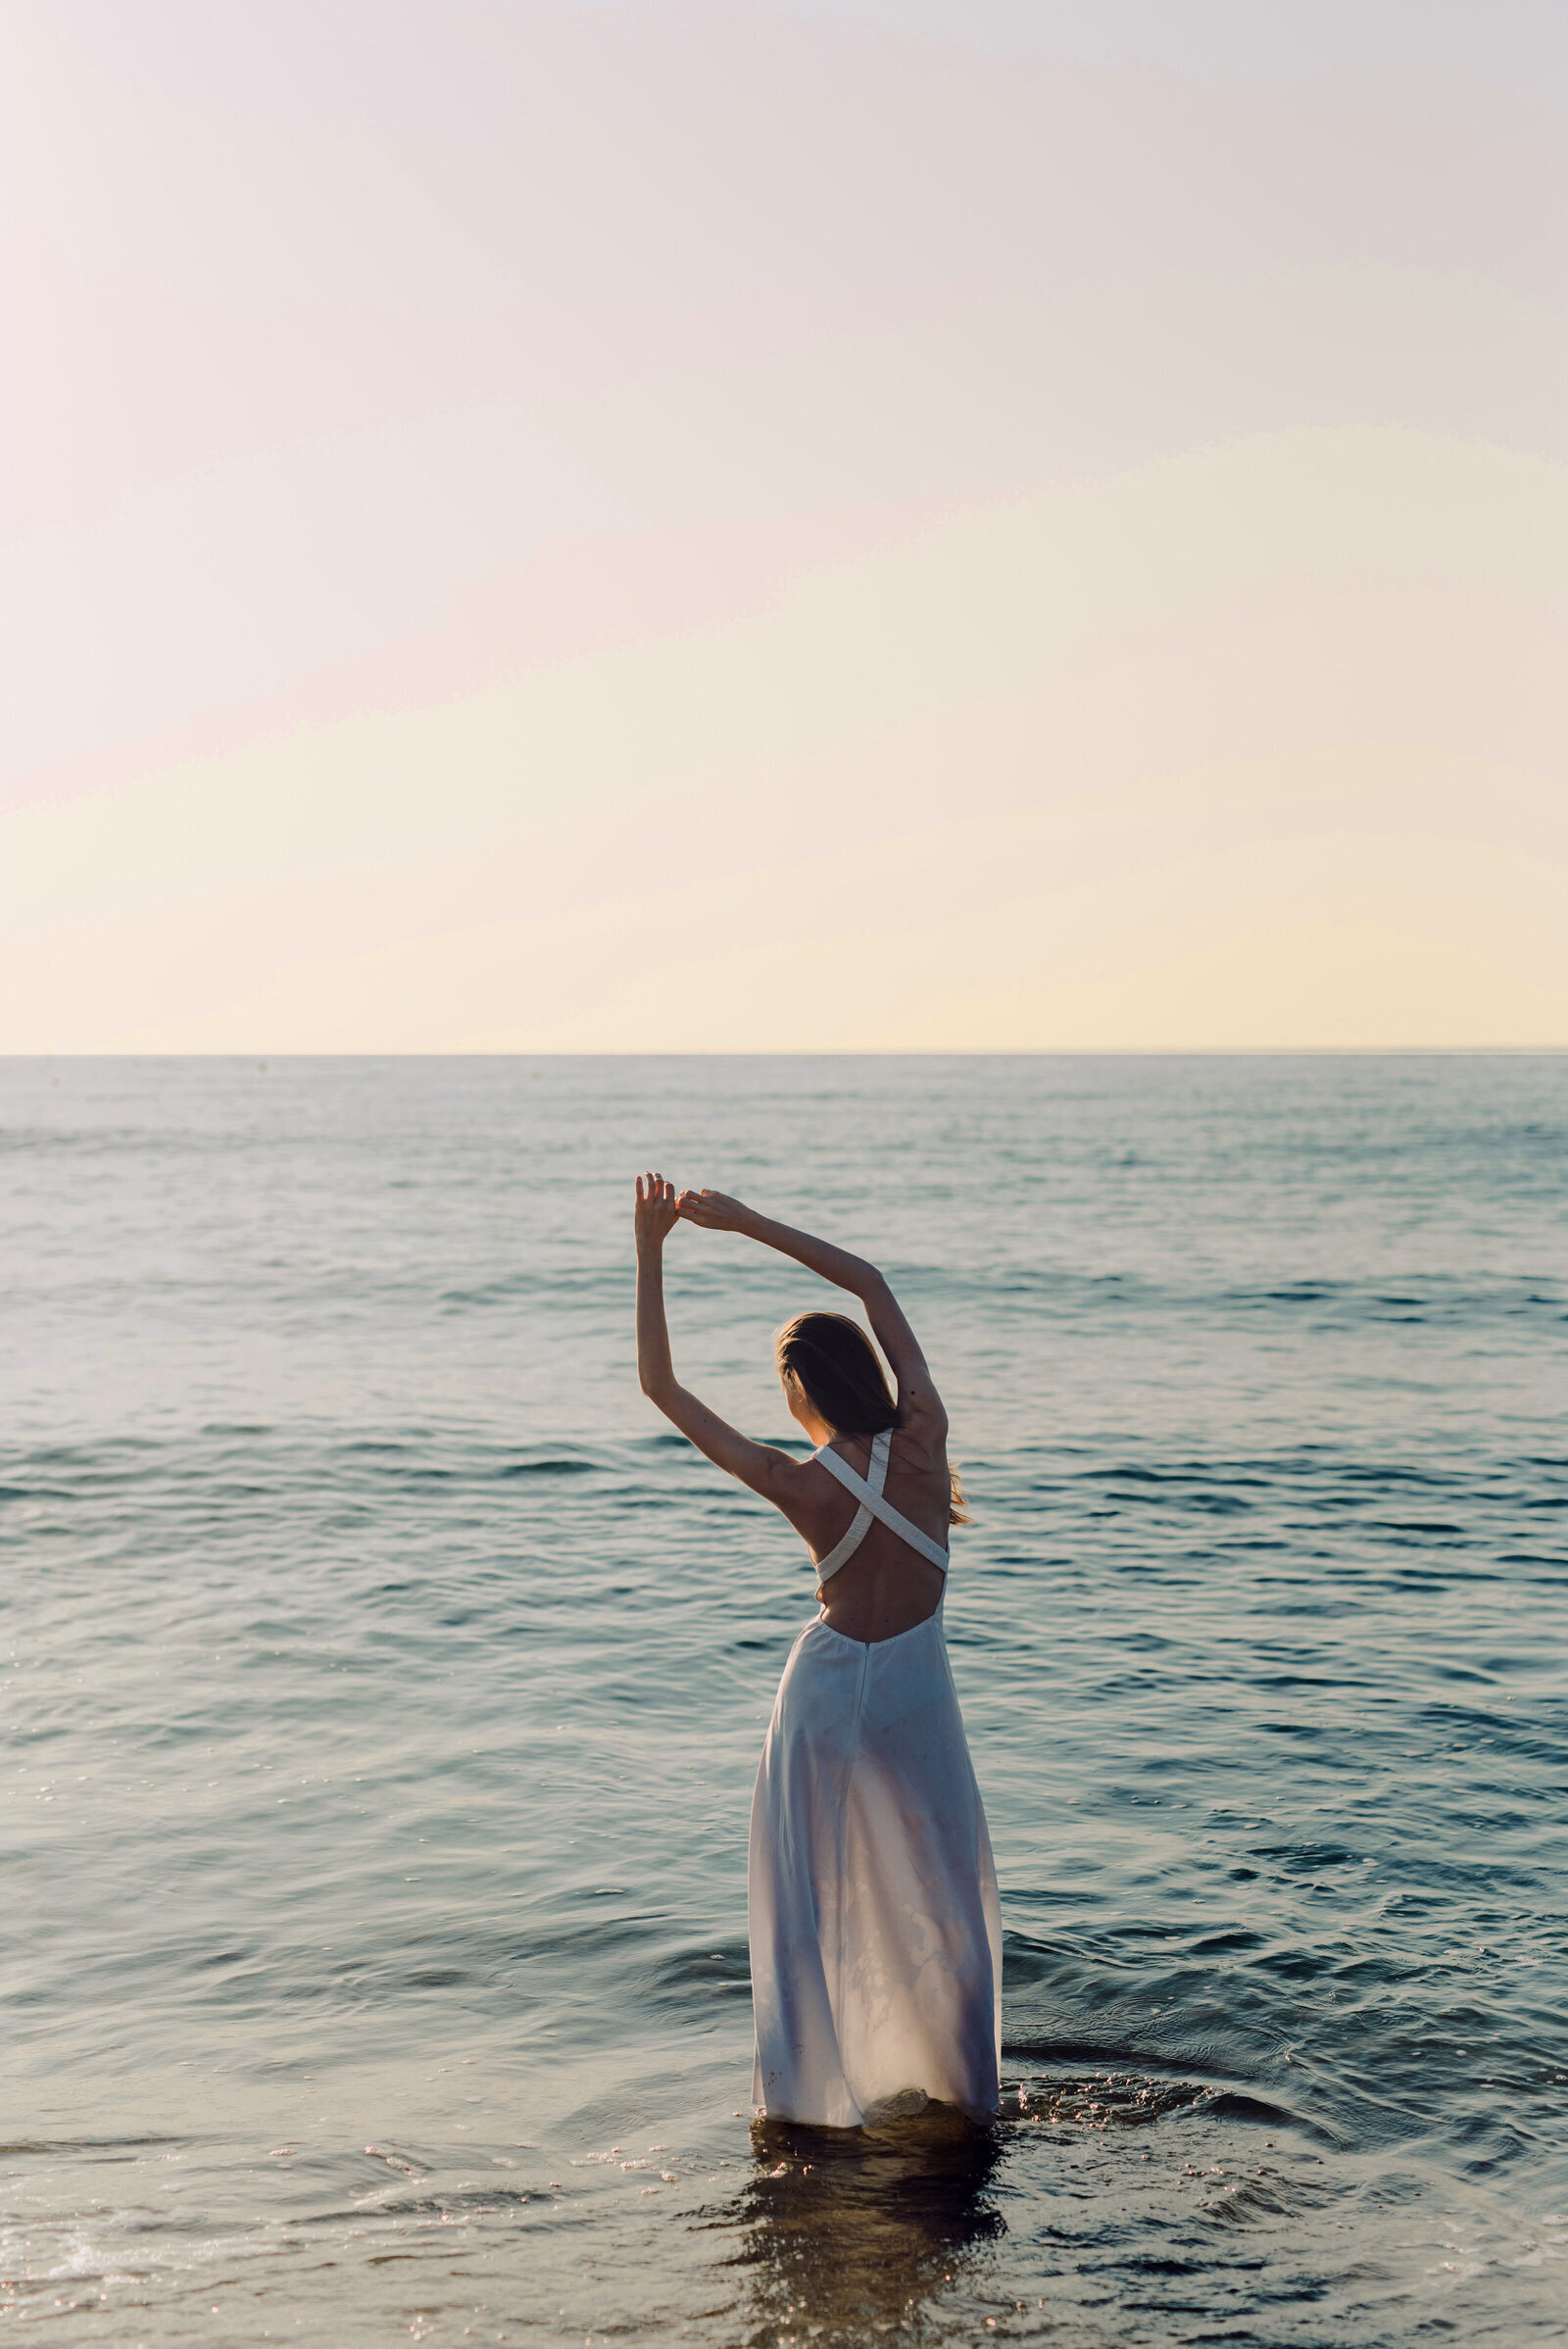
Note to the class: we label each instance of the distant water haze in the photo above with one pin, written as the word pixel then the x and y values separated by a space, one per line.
pixel 1049 518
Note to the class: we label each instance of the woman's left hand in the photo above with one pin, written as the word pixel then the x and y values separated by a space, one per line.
pixel 714 1210
pixel 655 1213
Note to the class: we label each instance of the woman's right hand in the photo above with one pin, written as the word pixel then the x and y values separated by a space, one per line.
pixel 656 1212
pixel 714 1210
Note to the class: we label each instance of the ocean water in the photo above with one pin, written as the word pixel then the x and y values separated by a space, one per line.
pixel 385 1683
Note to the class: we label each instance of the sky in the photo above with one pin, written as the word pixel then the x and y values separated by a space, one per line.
pixel 784 526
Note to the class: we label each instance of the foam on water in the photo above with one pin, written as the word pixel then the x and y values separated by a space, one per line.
pixel 385 1686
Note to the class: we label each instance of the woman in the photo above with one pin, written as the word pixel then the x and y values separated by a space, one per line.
pixel 876 1938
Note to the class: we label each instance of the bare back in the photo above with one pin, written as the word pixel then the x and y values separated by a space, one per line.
pixel 885 1587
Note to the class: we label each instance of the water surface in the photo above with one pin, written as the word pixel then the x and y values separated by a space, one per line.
pixel 386 1684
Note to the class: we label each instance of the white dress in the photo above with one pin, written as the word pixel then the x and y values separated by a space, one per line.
pixel 875 1932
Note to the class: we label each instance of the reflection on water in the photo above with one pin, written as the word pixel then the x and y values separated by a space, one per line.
pixel 852 2234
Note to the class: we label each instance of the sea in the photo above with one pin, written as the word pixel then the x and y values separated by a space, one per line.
pixel 384 1682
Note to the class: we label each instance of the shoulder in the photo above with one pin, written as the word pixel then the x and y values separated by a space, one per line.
pixel 789 1480
pixel 808 1495
pixel 923 1424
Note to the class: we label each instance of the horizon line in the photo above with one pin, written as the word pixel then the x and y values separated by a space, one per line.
pixel 1069 1052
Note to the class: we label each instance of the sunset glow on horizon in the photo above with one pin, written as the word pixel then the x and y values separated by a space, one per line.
pixel 788 527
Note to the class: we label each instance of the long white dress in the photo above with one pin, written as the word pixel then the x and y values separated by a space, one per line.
pixel 875 1932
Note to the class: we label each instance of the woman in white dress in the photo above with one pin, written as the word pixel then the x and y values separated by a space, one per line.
pixel 875 1934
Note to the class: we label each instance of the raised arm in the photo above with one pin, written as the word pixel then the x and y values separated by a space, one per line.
pixel 917 1397
pixel 768 1472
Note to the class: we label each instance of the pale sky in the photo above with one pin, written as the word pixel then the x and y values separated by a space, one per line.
pixel 828 524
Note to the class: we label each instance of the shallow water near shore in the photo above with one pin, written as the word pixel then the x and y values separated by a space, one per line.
pixel 384 1685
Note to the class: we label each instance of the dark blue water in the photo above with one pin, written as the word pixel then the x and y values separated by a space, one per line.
pixel 384 1685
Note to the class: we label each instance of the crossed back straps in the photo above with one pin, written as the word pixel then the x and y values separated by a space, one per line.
pixel 869 1492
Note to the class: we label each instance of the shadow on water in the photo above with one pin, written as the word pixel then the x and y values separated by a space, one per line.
pixel 852 2235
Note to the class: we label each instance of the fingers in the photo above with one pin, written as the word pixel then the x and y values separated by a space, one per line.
pixel 706 1207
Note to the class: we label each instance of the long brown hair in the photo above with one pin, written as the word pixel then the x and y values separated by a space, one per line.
pixel 842 1380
